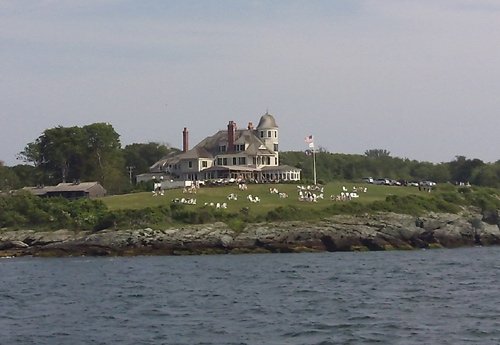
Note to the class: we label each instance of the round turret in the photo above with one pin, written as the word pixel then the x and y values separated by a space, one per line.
pixel 267 121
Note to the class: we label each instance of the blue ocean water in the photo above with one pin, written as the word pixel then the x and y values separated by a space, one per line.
pixel 400 297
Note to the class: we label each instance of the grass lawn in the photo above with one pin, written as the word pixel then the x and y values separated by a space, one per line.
pixel 268 201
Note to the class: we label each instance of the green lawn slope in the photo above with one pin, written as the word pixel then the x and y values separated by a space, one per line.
pixel 267 202
pixel 140 210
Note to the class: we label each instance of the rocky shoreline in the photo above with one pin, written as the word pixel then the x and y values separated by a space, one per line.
pixel 384 231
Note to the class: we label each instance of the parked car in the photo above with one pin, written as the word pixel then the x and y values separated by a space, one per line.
pixel 382 181
pixel 367 179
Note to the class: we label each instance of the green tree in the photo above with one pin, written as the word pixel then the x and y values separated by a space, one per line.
pixel 28 175
pixel 103 150
pixel 8 180
pixel 58 152
pixel 141 156
pixel 461 168
pixel 377 153
pixel 90 153
pixel 487 175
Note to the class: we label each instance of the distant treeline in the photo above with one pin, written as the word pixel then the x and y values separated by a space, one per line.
pixel 378 163
pixel 94 153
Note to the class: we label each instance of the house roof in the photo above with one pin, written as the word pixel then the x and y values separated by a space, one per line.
pixel 209 147
pixel 267 121
pixel 75 187
pixel 280 168
pixel 195 153
pixel 64 187
pixel 231 168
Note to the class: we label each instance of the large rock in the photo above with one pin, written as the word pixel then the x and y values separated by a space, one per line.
pixel 383 231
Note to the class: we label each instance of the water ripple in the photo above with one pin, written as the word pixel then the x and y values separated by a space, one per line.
pixel 419 297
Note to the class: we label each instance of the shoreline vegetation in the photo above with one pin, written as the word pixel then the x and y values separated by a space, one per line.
pixel 380 218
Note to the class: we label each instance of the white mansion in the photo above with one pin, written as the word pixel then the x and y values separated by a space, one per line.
pixel 250 154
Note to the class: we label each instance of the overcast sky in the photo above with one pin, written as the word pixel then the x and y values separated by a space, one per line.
pixel 420 78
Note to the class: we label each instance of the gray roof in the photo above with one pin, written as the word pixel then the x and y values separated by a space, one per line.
pixel 280 168
pixel 64 187
pixel 231 168
pixel 209 147
pixel 195 153
pixel 267 121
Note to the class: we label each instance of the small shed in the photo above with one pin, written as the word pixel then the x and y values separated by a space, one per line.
pixel 70 190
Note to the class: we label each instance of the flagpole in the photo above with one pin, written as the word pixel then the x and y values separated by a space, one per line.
pixel 310 141
pixel 314 165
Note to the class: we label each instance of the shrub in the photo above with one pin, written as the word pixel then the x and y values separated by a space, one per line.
pixel 453 197
pixel 289 212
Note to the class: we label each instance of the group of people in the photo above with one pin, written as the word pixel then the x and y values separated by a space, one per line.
pixel 188 201
pixel 346 195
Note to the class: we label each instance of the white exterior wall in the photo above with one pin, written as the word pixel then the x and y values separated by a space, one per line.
pixel 270 138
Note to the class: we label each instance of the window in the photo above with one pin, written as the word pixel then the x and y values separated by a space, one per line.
pixel 224 161
pixel 190 164
pixel 222 148
pixel 242 161
pixel 234 161
pixel 204 164
pixel 275 134
pixel 219 161
pixel 254 161
pixel 275 161
pixel 268 160
pixel 268 134
pixel 275 147
pixel 262 134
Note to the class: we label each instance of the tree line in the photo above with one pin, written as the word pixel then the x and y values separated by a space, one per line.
pixel 89 153
pixel 378 163
pixel 94 153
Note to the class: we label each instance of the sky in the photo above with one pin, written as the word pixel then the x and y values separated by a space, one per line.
pixel 419 78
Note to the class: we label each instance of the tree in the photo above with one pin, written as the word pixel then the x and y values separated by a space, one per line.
pixel 91 153
pixel 377 153
pixel 57 152
pixel 27 175
pixel 102 150
pixel 104 157
pixel 142 156
pixel 8 179
pixel 461 168
pixel 487 175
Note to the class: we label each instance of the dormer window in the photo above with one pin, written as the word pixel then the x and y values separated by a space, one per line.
pixel 222 148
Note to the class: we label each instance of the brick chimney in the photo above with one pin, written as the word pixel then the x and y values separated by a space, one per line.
pixel 231 134
pixel 185 140
pixel 250 126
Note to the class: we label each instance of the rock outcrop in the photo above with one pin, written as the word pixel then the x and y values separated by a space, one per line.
pixel 385 231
